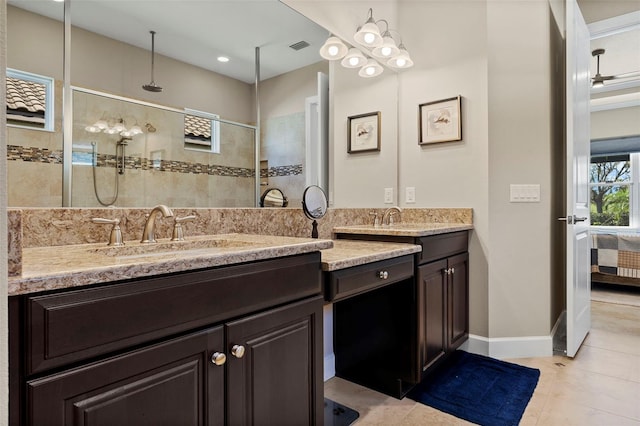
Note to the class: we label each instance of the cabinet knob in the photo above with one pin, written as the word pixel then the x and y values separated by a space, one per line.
pixel 453 270
pixel 237 351
pixel 218 358
pixel 383 275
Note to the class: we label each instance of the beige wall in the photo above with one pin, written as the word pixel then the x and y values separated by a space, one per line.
pixel 104 64
pixel 286 93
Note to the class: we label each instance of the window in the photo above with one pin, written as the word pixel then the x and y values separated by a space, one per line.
pixel 29 100
pixel 201 131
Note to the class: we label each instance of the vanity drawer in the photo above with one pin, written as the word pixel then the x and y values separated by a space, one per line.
pixel 436 247
pixel 359 279
pixel 74 325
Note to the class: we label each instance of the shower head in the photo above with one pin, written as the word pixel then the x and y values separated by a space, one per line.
pixel 152 87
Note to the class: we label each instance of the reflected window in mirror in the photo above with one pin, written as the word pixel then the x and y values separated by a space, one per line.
pixel 29 100
pixel 201 131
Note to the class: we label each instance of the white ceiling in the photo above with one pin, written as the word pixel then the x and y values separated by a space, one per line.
pixel 197 31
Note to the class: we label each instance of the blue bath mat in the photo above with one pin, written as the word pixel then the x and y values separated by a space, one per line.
pixel 479 389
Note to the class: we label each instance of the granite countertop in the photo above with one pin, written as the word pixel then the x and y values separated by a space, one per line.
pixel 58 267
pixel 404 229
pixel 348 253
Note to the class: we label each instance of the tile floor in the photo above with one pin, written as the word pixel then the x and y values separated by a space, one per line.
pixel 600 386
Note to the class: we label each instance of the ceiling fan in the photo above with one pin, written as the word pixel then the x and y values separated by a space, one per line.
pixel 598 80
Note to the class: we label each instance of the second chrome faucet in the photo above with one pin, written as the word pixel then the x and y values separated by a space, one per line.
pixel 148 235
pixel 389 213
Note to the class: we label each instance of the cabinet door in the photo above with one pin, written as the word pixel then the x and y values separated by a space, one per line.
pixel 432 313
pixel 172 383
pixel 274 368
pixel 458 301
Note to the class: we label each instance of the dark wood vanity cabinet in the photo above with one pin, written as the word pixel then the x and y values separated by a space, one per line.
pixel 237 345
pixel 439 301
pixel 442 280
pixel 170 383
pixel 443 324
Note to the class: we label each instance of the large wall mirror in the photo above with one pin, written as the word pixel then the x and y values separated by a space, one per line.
pixel 193 144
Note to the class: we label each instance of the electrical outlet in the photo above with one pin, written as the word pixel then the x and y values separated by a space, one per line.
pixel 388 195
pixel 410 194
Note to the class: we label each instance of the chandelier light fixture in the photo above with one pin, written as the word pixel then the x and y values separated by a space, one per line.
pixel 374 45
pixel 333 49
pixel 371 69
pixel 118 128
pixel 353 59
pixel 368 34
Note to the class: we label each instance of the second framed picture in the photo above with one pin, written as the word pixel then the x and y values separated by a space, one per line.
pixel 440 121
pixel 363 132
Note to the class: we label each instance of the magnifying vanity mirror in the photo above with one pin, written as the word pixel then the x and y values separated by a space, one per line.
pixel 314 205
pixel 273 198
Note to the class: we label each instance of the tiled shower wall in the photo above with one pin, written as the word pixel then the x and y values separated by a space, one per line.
pixel 158 168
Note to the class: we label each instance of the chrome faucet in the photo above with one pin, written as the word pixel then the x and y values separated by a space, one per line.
pixel 148 235
pixel 389 213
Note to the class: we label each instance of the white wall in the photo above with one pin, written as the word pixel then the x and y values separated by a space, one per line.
pixel 359 179
pixel 497 55
pixel 519 153
pixel 615 123
pixel 449 61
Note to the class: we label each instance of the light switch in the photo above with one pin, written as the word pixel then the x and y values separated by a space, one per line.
pixel 410 194
pixel 529 193
pixel 388 195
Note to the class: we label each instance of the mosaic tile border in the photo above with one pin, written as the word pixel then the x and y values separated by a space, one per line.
pixel 44 155
pixel 33 154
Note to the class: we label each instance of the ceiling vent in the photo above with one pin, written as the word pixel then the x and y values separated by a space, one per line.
pixel 299 45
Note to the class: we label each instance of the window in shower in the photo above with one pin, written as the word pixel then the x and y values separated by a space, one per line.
pixel 29 100
pixel 201 131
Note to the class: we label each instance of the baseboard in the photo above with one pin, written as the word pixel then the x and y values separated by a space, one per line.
pixel 329 366
pixel 509 347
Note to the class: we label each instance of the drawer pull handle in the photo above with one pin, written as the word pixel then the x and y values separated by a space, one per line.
pixel 218 358
pixel 383 275
pixel 237 351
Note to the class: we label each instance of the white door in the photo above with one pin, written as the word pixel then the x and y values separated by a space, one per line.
pixel 578 152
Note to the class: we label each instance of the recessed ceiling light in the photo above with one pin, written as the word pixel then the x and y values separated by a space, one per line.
pixel 59 1
pixel 223 59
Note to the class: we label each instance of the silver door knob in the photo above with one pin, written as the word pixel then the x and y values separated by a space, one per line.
pixel 237 351
pixel 218 358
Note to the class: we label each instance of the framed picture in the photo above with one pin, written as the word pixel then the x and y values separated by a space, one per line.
pixel 363 132
pixel 440 121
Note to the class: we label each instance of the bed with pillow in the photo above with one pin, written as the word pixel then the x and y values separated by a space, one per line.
pixel 615 258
